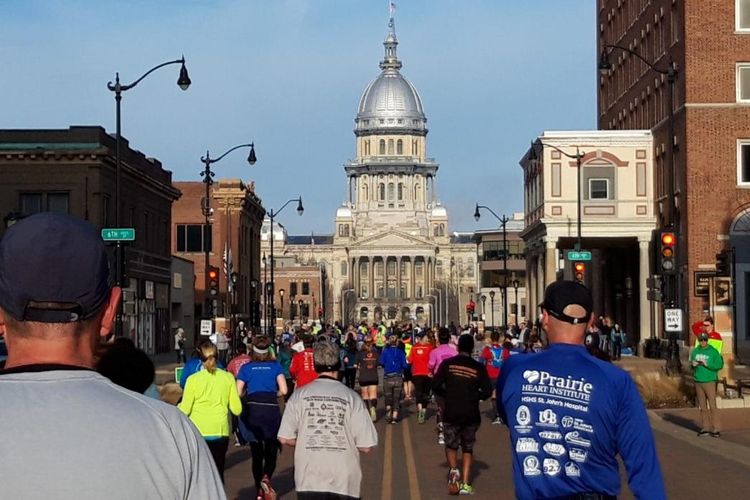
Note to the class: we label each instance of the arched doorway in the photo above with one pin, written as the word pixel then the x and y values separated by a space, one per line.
pixel 739 240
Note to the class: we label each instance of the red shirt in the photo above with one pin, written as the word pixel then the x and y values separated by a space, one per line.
pixel 236 363
pixel 419 357
pixel 302 368
pixel 487 356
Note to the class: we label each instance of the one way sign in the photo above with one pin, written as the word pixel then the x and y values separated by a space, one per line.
pixel 673 320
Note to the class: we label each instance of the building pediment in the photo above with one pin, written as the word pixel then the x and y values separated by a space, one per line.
pixel 391 239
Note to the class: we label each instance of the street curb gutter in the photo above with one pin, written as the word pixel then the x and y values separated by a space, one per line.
pixel 731 451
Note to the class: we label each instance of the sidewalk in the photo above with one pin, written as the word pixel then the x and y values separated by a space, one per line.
pixel 165 365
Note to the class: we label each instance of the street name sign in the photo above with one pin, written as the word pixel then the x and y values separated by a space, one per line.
pixel 118 234
pixel 579 255
pixel 673 320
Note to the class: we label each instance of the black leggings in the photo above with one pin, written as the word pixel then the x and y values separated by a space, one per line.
pixel 422 386
pixel 218 448
pixel 264 459
pixel 349 375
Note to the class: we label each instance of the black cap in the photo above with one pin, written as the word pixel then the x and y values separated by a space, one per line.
pixel 562 294
pixel 53 269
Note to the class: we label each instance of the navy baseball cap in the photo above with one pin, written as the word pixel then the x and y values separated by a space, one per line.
pixel 561 294
pixel 53 269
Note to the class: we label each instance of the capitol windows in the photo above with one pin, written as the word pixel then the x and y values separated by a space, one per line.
pixel 379 269
pixel 418 269
pixel 400 147
pixel 381 149
pixel 391 191
pixel 598 189
pixel 344 268
pixel 381 188
pixel 344 230
pixel 390 146
pixel 400 191
pixel 391 268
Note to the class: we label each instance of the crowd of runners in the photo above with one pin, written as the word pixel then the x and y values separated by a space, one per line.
pixel 400 362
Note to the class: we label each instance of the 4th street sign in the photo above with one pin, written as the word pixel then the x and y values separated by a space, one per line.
pixel 118 234
pixel 579 255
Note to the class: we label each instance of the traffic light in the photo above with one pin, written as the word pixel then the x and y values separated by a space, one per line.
pixel 723 266
pixel 579 271
pixel 667 258
pixel 213 288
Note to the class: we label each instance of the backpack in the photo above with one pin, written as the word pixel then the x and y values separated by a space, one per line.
pixel 497 356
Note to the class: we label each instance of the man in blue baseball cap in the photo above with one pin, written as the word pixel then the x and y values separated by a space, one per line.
pixel 56 306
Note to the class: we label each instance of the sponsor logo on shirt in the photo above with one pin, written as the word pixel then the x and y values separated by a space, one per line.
pixel 523 419
pixel 575 438
pixel 551 467
pixel 572 470
pixel 531 466
pixel 552 435
pixel 577 455
pixel 527 445
pixel 567 388
pixel 554 449
pixel 547 418
pixel 577 424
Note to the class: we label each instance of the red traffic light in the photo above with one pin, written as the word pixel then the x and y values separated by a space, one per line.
pixel 668 240
pixel 213 274
pixel 580 267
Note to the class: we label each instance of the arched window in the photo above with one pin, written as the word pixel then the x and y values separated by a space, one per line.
pixel 364 191
pixel 391 191
pixel 344 268
pixel 382 191
pixel 442 229
pixel 400 191
pixel 382 147
pixel 390 146
pixel 436 231
pixel 400 147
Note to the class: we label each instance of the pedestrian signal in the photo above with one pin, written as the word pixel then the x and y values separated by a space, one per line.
pixel 723 267
pixel 579 271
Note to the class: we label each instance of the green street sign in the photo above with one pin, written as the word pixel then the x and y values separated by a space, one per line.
pixel 118 234
pixel 579 255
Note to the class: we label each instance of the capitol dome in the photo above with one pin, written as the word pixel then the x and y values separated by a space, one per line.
pixel 390 101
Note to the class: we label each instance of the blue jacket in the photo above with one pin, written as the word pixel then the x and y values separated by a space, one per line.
pixel 569 415
pixel 194 365
pixel 393 360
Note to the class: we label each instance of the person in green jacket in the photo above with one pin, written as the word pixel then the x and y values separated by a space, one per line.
pixel 209 396
pixel 706 362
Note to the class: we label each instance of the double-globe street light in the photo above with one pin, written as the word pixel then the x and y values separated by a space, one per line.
pixel 503 220
pixel 183 81
pixel 272 215
pixel 670 287
pixel 208 179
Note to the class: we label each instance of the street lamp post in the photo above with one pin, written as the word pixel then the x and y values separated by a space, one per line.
pixel 208 179
pixel 265 290
pixel 281 297
pixel 233 311
pixel 299 309
pixel 503 220
pixel 492 308
pixel 253 301
pixel 671 292
pixel 183 82
pixel 272 215
pixel 515 284
pixel 484 307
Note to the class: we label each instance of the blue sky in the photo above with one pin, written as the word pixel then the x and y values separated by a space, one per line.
pixel 288 74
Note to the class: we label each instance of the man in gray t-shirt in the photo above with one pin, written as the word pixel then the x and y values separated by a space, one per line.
pixel 329 426
pixel 68 432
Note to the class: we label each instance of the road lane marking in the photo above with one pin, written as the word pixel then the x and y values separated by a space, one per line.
pixel 411 466
pixel 387 463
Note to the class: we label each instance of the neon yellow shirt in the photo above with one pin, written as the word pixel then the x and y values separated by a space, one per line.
pixel 208 399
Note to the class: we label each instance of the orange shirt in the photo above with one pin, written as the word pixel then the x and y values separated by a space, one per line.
pixel 419 357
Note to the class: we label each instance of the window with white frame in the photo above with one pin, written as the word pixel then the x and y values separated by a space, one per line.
pixel 743 82
pixel 743 162
pixel 598 189
pixel 742 15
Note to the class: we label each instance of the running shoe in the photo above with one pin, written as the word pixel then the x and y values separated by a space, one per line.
pixel 420 416
pixel 703 433
pixel 373 414
pixel 394 420
pixel 268 492
pixel 454 486
pixel 466 489
pixel 716 434
pixel 497 421
pixel 441 438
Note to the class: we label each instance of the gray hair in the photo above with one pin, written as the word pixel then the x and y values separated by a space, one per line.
pixel 325 353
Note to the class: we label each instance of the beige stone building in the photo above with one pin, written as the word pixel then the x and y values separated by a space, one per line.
pixel 391 256
pixel 617 218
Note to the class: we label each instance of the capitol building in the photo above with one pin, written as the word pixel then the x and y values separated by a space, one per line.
pixel 391 256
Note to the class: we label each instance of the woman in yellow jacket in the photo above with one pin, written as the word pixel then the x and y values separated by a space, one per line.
pixel 210 394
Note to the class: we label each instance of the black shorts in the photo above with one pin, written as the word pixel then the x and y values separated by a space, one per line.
pixel 367 383
pixel 493 382
pixel 463 435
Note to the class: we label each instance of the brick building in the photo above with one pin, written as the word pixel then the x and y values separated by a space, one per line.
pixel 73 171
pixel 233 242
pixel 709 42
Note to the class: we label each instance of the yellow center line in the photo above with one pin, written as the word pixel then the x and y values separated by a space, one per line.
pixel 387 463
pixel 411 466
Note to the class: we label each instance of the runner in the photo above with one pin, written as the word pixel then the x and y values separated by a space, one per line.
pixel 406 345
pixel 493 357
pixel 367 364
pixel 419 357
pixel 302 368
pixel 444 351
pixel 463 382
pixel 394 364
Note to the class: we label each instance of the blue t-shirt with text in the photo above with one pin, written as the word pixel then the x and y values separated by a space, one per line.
pixel 260 376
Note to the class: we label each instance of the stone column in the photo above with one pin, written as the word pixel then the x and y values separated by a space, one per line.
pixel 398 277
pixel 413 294
pixel 644 304
pixel 371 279
pixel 550 261
pixel 531 284
pixel 355 275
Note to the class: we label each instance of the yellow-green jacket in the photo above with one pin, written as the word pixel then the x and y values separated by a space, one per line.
pixel 208 399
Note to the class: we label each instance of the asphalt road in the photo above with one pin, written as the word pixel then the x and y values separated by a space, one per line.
pixel 408 463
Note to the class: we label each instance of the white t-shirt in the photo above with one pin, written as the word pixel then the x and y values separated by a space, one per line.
pixel 329 422
pixel 93 439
